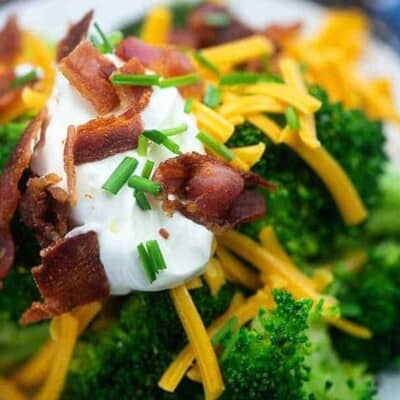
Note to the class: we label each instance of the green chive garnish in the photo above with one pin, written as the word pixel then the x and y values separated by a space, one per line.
pixel 107 46
pixel 144 185
pixel 243 78
pixel 228 327
pixel 141 200
pixel 148 167
pixel 175 131
pixel 177 81
pixel 121 174
pixel 114 38
pixel 188 106
pixel 96 42
pixel 146 261
pixel 292 118
pixel 212 98
pixel 205 62
pixel 218 19
pixel 219 148
pixel 142 146
pixel 160 138
pixel 23 79
pixel 154 251
pixel 152 259
pixel 135 80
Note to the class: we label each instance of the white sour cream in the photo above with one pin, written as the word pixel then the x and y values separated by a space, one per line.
pixel 119 222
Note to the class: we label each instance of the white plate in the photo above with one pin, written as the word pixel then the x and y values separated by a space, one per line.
pixel 50 18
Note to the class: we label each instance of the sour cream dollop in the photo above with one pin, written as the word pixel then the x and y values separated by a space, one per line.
pixel 119 222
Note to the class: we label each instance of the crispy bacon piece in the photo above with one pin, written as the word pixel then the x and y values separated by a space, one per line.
pixel 76 33
pixel 210 191
pixel 9 192
pixel 71 275
pixel 89 72
pixel 44 208
pixel 7 93
pixel 134 97
pixel 10 41
pixel 280 33
pixel 183 37
pixel 105 136
pixel 69 164
pixel 164 61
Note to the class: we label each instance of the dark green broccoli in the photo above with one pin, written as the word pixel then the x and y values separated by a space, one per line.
pixel 372 298
pixel 267 360
pixel 128 358
pixel 301 209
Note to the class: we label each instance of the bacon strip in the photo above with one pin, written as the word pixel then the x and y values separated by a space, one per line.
pixel 44 208
pixel 210 191
pixel 164 61
pixel 10 41
pixel 134 97
pixel 105 136
pixel 76 33
pixel 69 164
pixel 71 275
pixel 89 72
pixel 9 192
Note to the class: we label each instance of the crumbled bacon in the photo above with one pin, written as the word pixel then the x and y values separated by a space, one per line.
pixel 10 41
pixel 164 61
pixel 76 33
pixel 69 164
pixel 280 33
pixel 164 233
pixel 44 208
pixel 210 191
pixel 105 136
pixel 71 275
pixel 89 72
pixel 134 97
pixel 183 37
pixel 9 191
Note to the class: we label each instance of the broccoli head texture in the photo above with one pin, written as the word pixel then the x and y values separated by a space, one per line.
pixel 128 358
pixel 301 210
pixel 371 297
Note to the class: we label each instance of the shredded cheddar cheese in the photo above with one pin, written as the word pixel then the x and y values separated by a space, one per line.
pixel 157 26
pixel 9 391
pixel 322 277
pixel 349 327
pixel 269 127
pixel 200 342
pixel 250 154
pixel 214 276
pixel 195 283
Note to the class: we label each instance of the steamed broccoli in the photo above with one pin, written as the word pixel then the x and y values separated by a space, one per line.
pixel 372 298
pixel 127 359
pixel 301 209
pixel 267 359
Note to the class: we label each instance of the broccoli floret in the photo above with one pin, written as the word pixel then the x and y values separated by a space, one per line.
pixel 267 360
pixel 301 210
pixel 371 297
pixel 128 358
pixel 332 379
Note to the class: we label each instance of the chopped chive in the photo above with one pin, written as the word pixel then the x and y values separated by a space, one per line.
pixel 218 19
pixel 175 131
pixel 292 118
pixel 219 148
pixel 148 167
pixel 242 78
pixel 23 79
pixel 114 38
pixel 121 174
pixel 265 59
pixel 146 261
pixel 142 146
pixel 230 345
pixel 107 46
pixel 177 81
pixel 228 327
pixel 188 106
pixel 202 60
pixel 144 185
pixel 141 200
pixel 135 80
pixel 95 41
pixel 155 253
pixel 159 138
pixel 212 98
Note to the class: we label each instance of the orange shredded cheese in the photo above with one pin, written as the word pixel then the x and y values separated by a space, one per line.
pixel 349 327
pixel 195 283
pixel 214 276
pixel 269 127
pixel 10 391
pixel 250 154
pixel 200 342
pixel 322 277
pixel 157 26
